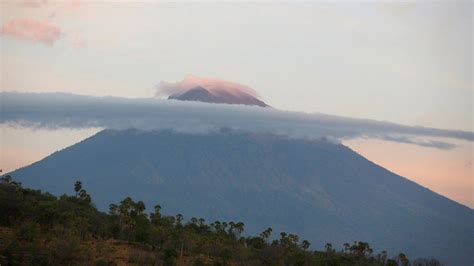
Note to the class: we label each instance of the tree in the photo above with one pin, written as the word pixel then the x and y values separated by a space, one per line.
pixel 178 219
pixel 360 248
pixel 346 247
pixel 382 257
pixel 266 234
pixel 157 209
pixel 403 259
pixel 329 248
pixel 7 179
pixel 224 226
pixel 125 206
pixel 35 215
pixel 231 228
pixel 239 228
pixel 77 187
pixel 84 197
pixel 305 244
pixel 113 209
pixel 217 225
pixel 293 239
pixel 156 216
pixel 288 241
pixel 138 208
pixel 201 222
pixel 81 193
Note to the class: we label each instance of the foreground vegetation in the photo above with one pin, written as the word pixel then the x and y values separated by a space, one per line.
pixel 38 228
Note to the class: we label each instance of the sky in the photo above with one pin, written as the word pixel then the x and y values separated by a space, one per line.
pixel 405 62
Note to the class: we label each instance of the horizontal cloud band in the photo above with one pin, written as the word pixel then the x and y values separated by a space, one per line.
pixel 59 110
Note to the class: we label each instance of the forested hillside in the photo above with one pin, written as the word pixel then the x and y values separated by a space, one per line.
pixel 38 228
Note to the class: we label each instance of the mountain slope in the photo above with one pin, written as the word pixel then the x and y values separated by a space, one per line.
pixel 322 191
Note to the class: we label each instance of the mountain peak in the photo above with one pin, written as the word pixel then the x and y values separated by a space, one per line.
pixel 195 94
pixel 201 94
pixel 210 90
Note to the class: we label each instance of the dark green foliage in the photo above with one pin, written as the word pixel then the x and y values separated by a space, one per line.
pixel 49 231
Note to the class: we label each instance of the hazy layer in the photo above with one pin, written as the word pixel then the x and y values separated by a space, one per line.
pixel 59 110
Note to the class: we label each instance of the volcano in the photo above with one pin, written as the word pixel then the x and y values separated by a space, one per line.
pixel 320 190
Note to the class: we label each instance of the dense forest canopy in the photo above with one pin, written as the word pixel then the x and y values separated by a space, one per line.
pixel 37 228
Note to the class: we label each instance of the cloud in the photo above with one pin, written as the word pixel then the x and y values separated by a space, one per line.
pixel 60 110
pixel 32 30
pixel 46 3
pixel 29 28
pixel 213 85
pixel 33 3
pixel 424 143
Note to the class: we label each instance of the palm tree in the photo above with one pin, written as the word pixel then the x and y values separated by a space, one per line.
pixel 328 247
pixel 216 225
pixel 83 194
pixel 383 256
pixel 201 222
pixel 305 244
pixel 157 209
pixel 239 227
pixel 179 218
pixel 113 208
pixel 346 247
pixel 139 207
pixel 231 228
pixel 266 234
pixel 403 259
pixel 293 239
pixel 156 216
pixel 77 187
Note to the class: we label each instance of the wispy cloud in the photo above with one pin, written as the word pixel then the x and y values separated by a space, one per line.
pixel 425 143
pixel 59 110
pixel 32 30
pixel 33 3
pixel 46 3
pixel 212 84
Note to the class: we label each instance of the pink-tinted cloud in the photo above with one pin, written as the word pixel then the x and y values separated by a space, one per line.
pixel 76 3
pixel 32 30
pixel 211 84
